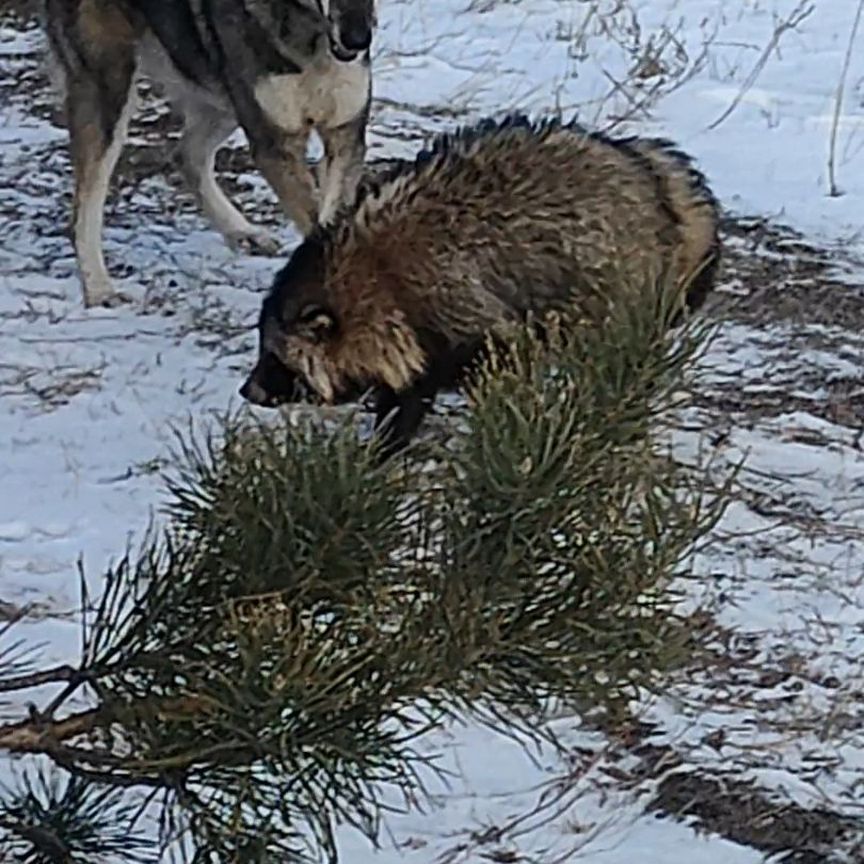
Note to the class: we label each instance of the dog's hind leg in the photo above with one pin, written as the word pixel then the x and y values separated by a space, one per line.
pixel 57 82
pixel 99 101
pixel 344 152
pixel 205 129
pixel 96 147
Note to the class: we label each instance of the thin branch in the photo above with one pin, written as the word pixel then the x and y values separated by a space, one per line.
pixel 833 191
pixel 803 10
pixel 37 736
pixel 58 674
pixel 29 736
pixel 67 759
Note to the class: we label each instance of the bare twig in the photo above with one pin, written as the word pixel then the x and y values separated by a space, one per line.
pixel 35 735
pixel 802 11
pixel 58 674
pixel 31 736
pixel 833 190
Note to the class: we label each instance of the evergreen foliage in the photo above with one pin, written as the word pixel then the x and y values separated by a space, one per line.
pixel 267 663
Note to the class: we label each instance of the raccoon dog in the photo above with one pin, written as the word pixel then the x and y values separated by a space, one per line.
pixel 492 223
pixel 278 68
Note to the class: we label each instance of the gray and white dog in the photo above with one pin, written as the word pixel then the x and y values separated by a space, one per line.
pixel 278 68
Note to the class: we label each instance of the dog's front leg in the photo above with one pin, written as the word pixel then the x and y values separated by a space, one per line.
pixel 205 128
pixel 344 152
pixel 281 158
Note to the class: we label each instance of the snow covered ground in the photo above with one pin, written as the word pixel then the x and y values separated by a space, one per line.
pixel 765 744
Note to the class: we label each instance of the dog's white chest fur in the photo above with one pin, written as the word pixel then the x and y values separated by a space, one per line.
pixel 328 95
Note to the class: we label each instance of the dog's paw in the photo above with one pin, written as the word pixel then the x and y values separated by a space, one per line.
pixel 59 117
pixel 105 299
pixel 256 242
pixel 118 298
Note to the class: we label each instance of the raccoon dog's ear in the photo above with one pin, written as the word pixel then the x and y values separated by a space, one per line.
pixel 316 322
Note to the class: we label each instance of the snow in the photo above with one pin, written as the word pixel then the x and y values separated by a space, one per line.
pixel 88 399
pixel 770 156
pixel 496 783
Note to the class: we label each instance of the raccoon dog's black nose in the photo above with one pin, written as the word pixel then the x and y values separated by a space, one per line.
pixel 253 392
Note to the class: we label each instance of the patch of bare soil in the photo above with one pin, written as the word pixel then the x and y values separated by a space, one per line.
pixel 802 307
pixel 740 811
pixel 779 277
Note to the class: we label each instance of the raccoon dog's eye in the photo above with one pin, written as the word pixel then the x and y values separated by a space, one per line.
pixel 310 312
pixel 316 322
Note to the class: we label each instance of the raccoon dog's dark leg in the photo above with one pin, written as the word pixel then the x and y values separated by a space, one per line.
pixel 281 158
pixel 98 57
pixel 398 415
pixel 342 165
pixel 205 128
pixel 703 283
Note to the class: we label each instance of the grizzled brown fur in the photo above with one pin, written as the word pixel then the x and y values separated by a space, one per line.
pixel 492 223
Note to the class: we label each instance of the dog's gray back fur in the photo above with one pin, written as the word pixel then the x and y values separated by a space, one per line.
pixel 278 68
pixel 198 34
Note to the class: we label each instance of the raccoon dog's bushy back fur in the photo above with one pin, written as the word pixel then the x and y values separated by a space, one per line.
pixel 492 223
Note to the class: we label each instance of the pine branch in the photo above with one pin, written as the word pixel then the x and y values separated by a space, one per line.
pixel 58 674
pixel 37 736
pixel 44 736
pixel 52 819
pixel 270 659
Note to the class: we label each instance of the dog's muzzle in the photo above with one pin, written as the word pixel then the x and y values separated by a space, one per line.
pixel 350 37
pixel 342 54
